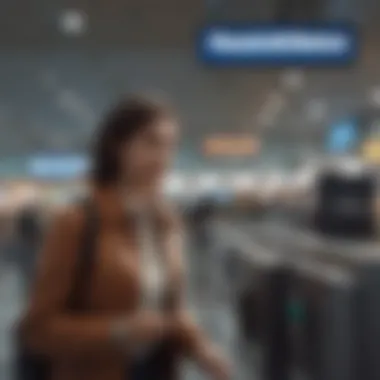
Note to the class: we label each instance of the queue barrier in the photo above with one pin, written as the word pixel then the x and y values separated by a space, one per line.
pixel 312 309
pixel 259 279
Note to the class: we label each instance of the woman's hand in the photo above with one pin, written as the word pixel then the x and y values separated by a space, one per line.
pixel 148 326
pixel 214 363
pixel 198 348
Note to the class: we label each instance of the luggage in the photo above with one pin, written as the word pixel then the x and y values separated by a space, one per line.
pixel 345 205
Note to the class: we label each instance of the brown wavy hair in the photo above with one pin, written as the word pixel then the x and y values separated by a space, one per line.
pixel 130 116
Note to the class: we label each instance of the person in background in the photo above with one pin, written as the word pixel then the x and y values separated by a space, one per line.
pixel 201 216
pixel 135 300
pixel 23 250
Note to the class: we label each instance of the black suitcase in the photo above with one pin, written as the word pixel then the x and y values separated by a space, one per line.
pixel 344 205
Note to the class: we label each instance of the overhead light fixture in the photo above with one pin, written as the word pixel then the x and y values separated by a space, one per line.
pixel 293 80
pixel 374 97
pixel 73 22
pixel 271 109
pixel 208 181
pixel 174 184
pixel 243 181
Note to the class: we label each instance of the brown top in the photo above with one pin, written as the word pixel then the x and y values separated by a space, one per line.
pixel 79 345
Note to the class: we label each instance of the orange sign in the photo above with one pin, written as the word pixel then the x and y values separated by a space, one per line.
pixel 231 145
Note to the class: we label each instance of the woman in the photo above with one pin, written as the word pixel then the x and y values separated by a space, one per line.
pixel 125 322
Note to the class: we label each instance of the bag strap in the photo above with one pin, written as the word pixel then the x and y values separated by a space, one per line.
pixel 86 259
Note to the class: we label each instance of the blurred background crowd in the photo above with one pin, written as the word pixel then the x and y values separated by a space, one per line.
pixel 263 147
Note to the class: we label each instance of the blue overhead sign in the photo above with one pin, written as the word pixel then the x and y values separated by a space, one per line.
pixel 277 45
pixel 343 137
pixel 57 167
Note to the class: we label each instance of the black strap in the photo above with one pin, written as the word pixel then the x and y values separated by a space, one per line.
pixel 86 257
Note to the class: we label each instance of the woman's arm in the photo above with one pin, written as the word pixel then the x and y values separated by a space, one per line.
pixel 192 339
pixel 50 328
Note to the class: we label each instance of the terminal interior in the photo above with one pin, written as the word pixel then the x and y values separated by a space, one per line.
pixel 282 272
pixel 276 177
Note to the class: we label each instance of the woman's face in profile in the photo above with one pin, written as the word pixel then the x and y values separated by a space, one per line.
pixel 149 155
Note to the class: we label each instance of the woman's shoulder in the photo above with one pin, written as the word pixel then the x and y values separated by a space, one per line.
pixel 69 218
pixel 62 239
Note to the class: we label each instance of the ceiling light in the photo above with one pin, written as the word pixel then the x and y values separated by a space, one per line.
pixel 207 181
pixel 243 181
pixel 73 22
pixel 174 184
pixel 374 97
pixel 293 79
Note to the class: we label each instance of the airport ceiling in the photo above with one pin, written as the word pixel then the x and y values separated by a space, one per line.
pixel 53 93
pixel 164 23
pixel 114 22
